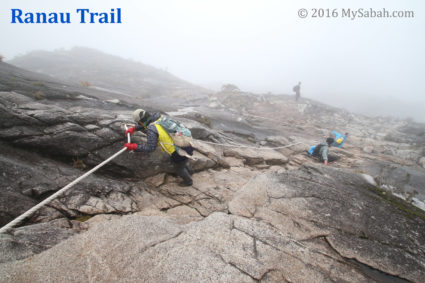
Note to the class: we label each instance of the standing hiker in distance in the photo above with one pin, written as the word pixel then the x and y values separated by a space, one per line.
pixel 159 130
pixel 297 90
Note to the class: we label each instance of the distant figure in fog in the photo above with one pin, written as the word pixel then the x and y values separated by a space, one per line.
pixel 297 90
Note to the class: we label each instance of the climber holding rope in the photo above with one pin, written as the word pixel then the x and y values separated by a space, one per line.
pixel 170 135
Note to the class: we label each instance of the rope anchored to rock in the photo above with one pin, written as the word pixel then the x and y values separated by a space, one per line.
pixel 29 212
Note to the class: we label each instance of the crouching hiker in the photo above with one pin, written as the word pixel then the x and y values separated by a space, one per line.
pixel 321 151
pixel 170 135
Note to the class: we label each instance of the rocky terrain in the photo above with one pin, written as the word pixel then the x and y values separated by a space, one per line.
pixel 253 214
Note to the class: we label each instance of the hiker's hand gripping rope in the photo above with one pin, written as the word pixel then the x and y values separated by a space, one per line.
pixel 131 146
pixel 128 133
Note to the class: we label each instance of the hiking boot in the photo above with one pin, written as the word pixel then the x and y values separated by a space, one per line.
pixel 185 184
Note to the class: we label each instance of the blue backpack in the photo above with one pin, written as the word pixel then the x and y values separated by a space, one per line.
pixel 315 150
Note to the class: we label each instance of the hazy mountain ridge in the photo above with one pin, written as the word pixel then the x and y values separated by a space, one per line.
pixel 97 69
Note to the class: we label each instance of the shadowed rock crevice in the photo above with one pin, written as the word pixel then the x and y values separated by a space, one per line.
pixel 243 272
pixel 141 251
pixel 369 271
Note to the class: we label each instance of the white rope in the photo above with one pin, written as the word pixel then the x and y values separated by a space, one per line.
pixel 29 212
pixel 67 187
pixel 253 147
pixel 234 145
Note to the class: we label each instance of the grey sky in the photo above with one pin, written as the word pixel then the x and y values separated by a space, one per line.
pixel 259 45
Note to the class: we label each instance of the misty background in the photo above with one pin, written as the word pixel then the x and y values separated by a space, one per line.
pixel 374 66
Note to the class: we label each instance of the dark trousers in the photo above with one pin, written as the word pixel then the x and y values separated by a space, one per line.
pixel 332 158
pixel 184 171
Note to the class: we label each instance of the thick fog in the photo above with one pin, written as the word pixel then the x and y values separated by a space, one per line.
pixel 372 65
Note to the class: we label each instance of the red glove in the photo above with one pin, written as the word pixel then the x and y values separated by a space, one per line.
pixel 131 146
pixel 130 131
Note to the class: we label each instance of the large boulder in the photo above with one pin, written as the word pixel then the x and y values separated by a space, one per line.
pixel 252 156
pixel 313 224
pixel 220 248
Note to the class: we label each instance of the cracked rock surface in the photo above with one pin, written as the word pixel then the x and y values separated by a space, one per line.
pixel 336 228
